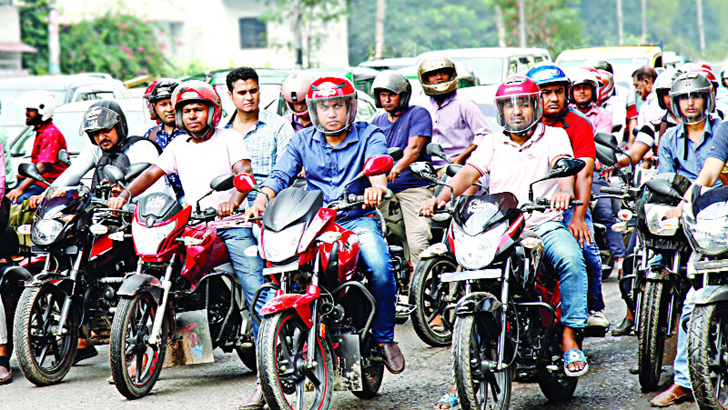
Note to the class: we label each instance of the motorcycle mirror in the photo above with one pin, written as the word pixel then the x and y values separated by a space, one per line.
pixel 608 140
pixel 606 155
pixel 63 157
pixel 663 187
pixel 425 171
pixel 377 165
pixel 396 153
pixel 245 183
pixel 223 183
pixel 135 170
pixel 435 150
pixel 453 169
pixel 616 127
pixel 564 167
pixel 29 170
pixel 113 174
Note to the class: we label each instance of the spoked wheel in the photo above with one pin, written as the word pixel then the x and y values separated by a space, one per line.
pixel 475 342
pixel 707 347
pixel 430 297
pixel 288 382
pixel 135 365
pixel 45 352
pixel 651 334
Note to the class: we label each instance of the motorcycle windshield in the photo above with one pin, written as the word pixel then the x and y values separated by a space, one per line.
pixel 475 213
pixel 66 200
pixel 292 205
pixel 712 204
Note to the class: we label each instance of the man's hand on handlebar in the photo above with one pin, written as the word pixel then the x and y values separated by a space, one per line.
pixel 373 196
pixel 560 200
pixel 117 202
pixel 34 201
pixel 226 209
pixel 256 208
pixel 675 212
pixel 428 207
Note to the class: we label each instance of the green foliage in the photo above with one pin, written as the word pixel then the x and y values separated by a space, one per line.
pixel 34 32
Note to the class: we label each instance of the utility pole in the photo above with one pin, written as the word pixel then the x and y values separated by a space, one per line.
pixel 620 32
pixel 379 30
pixel 701 32
pixel 644 21
pixel 54 43
pixel 522 21
pixel 297 35
pixel 500 25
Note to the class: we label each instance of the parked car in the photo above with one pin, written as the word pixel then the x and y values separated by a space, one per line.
pixel 484 97
pixel 624 59
pixel 390 63
pixel 66 89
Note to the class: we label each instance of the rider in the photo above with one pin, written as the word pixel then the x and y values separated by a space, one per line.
pixel 458 124
pixel 555 93
pixel 294 90
pixel 619 101
pixel 341 146
pixel 534 146
pixel 6 374
pixel 643 80
pixel 48 142
pixel 584 97
pixel 160 106
pixel 408 127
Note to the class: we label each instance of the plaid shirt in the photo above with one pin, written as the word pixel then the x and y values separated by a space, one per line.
pixel 163 139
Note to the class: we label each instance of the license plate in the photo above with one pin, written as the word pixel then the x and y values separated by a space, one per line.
pixel 471 275
pixel 280 269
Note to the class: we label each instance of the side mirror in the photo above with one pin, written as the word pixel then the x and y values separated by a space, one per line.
pixel 63 157
pixel 223 183
pixel 396 153
pixel 377 165
pixel 425 171
pixel 663 187
pixel 113 174
pixel 616 127
pixel 29 170
pixel 245 183
pixel 435 150
pixel 606 155
pixel 566 167
pixel 608 140
pixel 453 169
pixel 135 170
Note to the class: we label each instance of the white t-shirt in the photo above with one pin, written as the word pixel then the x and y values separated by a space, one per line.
pixel 199 163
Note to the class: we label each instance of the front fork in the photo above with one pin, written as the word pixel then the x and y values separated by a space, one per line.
pixel 504 315
pixel 159 319
pixel 314 316
pixel 673 297
pixel 73 274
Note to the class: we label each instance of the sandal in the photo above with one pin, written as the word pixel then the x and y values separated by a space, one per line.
pixel 575 356
pixel 451 399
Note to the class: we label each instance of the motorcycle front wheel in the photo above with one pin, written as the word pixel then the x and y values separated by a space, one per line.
pixel 285 377
pixel 707 347
pixel 651 334
pixel 430 297
pixel 473 343
pixel 45 353
pixel 135 365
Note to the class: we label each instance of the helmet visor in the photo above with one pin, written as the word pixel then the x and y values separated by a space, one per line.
pixel 97 119
pixel 692 107
pixel 332 115
pixel 519 113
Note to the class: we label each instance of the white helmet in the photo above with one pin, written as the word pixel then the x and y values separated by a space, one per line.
pixel 42 101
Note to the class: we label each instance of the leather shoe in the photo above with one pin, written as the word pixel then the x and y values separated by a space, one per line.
pixel 392 357
pixel 6 375
pixel 256 401
pixel 673 395
pixel 624 328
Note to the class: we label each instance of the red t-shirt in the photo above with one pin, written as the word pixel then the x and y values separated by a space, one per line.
pixel 48 142
pixel 580 134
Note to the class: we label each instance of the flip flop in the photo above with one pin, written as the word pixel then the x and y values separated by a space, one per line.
pixel 575 356
pixel 448 398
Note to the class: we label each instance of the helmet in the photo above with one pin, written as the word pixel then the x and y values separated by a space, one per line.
pixel 692 85
pixel 41 101
pixel 103 115
pixel 588 76
pixel 428 66
pixel 606 86
pixel 197 91
pixel 516 90
pixel 547 74
pixel 394 82
pixel 723 73
pixel 701 68
pixel 332 88
pixel 294 90
pixel 600 65
pixel 148 93
pixel 163 88
pixel 663 83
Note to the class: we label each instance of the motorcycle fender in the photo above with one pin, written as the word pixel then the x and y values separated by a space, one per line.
pixel 10 273
pixel 656 274
pixel 134 284
pixel 301 303
pixel 62 282
pixel 436 249
pixel 477 302
pixel 348 372
pixel 710 294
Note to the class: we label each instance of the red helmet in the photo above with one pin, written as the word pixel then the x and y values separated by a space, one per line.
pixel 197 91
pixel 606 88
pixel 701 68
pixel 294 90
pixel 332 88
pixel 518 91
pixel 148 93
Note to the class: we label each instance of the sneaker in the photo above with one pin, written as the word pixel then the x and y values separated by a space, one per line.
pixel 597 319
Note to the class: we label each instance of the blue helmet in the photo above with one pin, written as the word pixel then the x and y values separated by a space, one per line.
pixel 547 73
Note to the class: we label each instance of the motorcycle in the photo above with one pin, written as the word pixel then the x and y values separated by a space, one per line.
pixel 315 334
pixel 183 275
pixel 86 251
pixel 508 322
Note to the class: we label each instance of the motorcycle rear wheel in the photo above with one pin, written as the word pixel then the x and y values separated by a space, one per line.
pixel 427 294
pixel 129 351
pixel 651 334
pixel 371 380
pixel 282 353
pixel 707 344
pixel 37 317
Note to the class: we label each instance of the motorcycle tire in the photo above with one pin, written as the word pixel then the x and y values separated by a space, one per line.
pixel 371 381
pixel 473 343
pixel 129 352
pixel 282 346
pixel 39 311
pixel 427 295
pixel 651 334
pixel 557 387
pixel 247 356
pixel 707 344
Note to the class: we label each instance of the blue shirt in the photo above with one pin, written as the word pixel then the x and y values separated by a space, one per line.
pixel 163 139
pixel 415 121
pixel 329 168
pixel 673 157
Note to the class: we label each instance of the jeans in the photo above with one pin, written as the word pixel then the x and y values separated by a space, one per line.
pixel 31 191
pixel 3 324
pixel 374 254
pixel 417 228
pixel 561 252
pixel 605 213
pixel 681 373
pixel 593 260
pixel 249 269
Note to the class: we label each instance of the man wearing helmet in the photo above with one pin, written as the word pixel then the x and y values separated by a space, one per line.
pixel 458 124
pixel 408 127
pixel 161 108
pixel 617 100
pixel 294 90
pixel 339 146
pixel 584 96
pixel 535 147
pixel 48 142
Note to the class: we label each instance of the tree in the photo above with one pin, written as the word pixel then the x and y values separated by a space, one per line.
pixel 34 32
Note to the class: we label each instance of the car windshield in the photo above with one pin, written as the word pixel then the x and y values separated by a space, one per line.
pixel 488 69
pixel 12 111
pixel 623 67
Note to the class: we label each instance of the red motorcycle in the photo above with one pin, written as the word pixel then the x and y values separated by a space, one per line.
pixel 315 335
pixel 184 268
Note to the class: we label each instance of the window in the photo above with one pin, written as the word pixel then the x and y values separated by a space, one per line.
pixel 253 33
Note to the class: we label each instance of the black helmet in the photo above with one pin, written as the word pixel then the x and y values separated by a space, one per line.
pixel 102 115
pixel 163 89
pixel 600 65
pixel 394 82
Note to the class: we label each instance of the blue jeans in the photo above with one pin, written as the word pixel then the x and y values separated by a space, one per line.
pixel 605 213
pixel 373 252
pixel 31 191
pixel 561 252
pixel 593 260
pixel 681 372
pixel 249 269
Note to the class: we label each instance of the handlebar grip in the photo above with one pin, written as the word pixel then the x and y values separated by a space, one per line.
pixel 613 190
pixel 576 202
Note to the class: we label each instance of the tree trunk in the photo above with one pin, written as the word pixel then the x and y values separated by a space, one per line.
pixel 620 32
pixel 379 36
pixel 500 25
pixel 701 32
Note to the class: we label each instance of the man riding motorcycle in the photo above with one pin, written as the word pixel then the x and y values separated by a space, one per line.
pixel 294 90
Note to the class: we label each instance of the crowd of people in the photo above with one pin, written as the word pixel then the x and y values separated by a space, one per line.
pixel 546 114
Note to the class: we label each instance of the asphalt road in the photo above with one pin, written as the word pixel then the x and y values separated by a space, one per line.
pixel 226 383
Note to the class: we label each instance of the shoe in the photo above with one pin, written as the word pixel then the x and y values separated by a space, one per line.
pixel 392 357
pixel 256 401
pixel 85 353
pixel 624 328
pixel 674 395
pixel 597 319
pixel 6 375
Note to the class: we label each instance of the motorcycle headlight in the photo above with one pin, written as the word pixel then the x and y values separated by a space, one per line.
pixel 45 231
pixel 282 245
pixel 656 223
pixel 148 240
pixel 710 236
pixel 475 252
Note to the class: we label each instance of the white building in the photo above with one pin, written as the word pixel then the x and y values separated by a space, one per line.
pixel 221 33
pixel 10 45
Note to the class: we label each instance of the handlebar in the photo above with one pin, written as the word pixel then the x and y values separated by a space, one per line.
pixel 103 205
pixel 542 204
pixel 209 214
pixel 614 190
pixel 353 201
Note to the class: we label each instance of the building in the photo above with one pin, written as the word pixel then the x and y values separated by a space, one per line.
pixel 11 48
